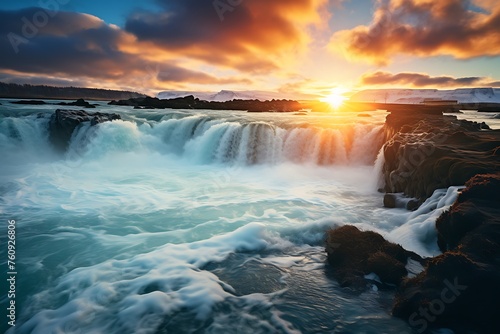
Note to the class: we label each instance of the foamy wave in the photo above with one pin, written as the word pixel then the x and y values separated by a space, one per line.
pixel 140 292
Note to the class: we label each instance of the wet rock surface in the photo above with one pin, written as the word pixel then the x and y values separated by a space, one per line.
pixel 454 292
pixel 353 254
pixel 64 122
pixel 400 201
pixel 476 213
pixel 425 152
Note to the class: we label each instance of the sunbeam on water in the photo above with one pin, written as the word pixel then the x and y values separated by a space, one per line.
pixel 182 221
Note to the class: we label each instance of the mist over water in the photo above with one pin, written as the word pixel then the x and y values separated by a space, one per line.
pixel 191 221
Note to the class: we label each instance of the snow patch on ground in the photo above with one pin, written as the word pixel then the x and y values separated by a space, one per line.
pixel 416 96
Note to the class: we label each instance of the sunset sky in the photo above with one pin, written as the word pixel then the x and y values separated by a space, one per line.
pixel 291 46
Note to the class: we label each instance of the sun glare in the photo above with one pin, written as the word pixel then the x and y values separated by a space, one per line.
pixel 336 98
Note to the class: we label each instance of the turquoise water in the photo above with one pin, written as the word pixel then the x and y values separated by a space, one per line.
pixel 196 222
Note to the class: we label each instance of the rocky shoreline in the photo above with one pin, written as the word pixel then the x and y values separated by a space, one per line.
pixel 425 151
pixel 190 102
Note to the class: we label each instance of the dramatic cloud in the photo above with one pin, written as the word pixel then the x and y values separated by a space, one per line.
pixel 203 45
pixel 35 42
pixel 423 80
pixel 461 28
pixel 250 36
pixel 187 42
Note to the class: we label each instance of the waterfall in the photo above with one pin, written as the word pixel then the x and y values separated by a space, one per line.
pixel 206 140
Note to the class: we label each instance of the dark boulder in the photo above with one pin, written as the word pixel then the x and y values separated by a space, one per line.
pixel 390 201
pixel 388 268
pixel 354 254
pixel 413 204
pixel 64 122
pixel 78 103
pixel 400 201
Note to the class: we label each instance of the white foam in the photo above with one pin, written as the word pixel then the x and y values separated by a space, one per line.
pixel 24 140
pixel 378 176
pixel 373 277
pixel 414 268
pixel 141 291
pixel 418 229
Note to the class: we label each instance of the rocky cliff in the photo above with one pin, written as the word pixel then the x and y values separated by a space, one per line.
pixel 426 151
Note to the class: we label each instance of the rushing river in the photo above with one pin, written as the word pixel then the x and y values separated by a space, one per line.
pixel 176 221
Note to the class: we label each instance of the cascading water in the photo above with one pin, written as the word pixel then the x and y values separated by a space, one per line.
pixel 259 142
pixel 180 222
pixel 206 140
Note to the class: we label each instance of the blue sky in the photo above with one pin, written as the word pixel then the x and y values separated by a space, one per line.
pixel 111 11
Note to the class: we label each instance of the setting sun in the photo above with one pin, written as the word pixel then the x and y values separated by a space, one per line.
pixel 335 98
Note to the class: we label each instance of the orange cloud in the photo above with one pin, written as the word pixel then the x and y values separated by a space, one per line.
pixel 460 28
pixel 259 31
pixel 423 80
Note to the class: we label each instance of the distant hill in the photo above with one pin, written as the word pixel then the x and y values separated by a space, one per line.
pixel 416 96
pixel 229 95
pixel 9 90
